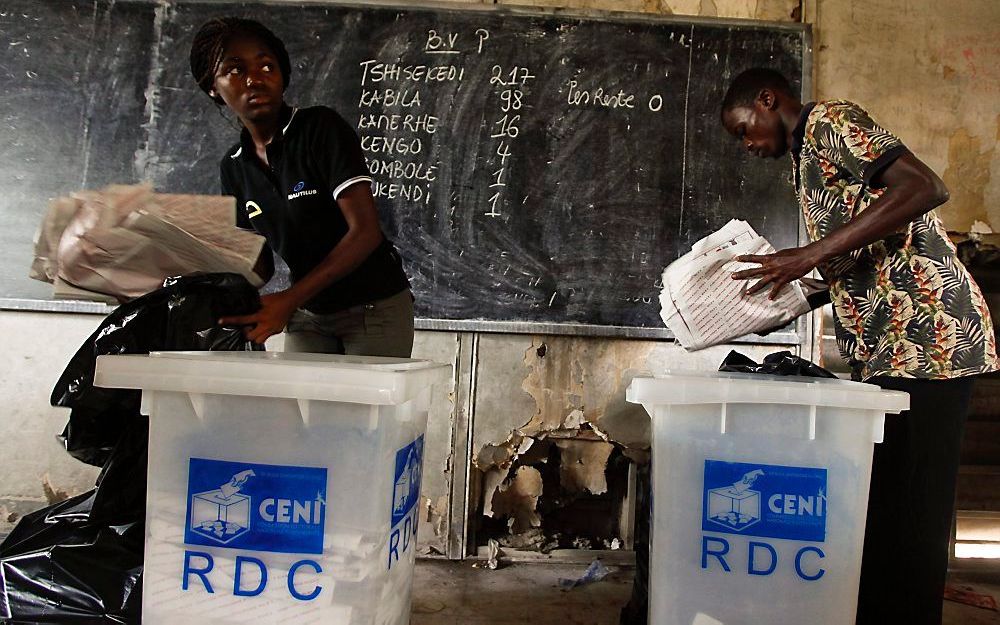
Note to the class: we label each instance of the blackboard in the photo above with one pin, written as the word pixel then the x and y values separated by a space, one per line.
pixel 537 170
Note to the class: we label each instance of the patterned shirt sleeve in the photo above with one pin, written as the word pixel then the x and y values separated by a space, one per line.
pixel 851 139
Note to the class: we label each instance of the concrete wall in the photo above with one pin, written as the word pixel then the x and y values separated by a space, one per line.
pixel 35 468
pixel 929 71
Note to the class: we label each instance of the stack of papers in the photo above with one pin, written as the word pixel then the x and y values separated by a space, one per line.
pixel 122 242
pixel 702 304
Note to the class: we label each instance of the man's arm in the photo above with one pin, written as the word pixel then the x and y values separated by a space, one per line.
pixel 911 189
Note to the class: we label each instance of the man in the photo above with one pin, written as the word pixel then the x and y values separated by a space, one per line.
pixel 908 317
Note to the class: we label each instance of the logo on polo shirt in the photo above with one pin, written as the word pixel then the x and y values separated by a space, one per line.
pixel 299 190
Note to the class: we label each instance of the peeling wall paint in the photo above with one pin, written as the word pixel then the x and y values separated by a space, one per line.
pixel 582 380
pixel 53 494
pixel 436 485
pixel 569 392
pixel 434 515
pixel 582 465
pixel 517 499
pixel 968 176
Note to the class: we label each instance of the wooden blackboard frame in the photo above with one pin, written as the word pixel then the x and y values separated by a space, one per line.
pixel 12 300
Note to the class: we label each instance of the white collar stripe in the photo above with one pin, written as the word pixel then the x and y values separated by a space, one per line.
pixel 285 129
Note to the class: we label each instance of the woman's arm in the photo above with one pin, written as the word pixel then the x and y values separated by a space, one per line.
pixel 264 267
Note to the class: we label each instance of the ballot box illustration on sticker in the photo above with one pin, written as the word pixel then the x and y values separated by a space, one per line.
pixel 736 506
pixel 223 514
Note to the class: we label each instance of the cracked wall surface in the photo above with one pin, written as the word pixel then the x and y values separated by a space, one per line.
pixel 569 392
pixel 436 485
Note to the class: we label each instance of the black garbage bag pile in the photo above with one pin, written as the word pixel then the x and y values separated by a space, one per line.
pixel 80 561
pixel 636 612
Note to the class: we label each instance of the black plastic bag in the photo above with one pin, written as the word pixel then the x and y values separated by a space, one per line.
pixel 80 561
pixel 183 315
pixel 778 363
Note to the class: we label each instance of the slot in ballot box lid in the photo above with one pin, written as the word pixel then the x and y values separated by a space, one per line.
pixel 326 377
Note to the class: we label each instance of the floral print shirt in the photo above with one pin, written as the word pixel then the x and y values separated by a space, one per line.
pixel 904 306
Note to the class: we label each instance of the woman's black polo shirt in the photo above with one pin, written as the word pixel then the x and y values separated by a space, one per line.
pixel 294 205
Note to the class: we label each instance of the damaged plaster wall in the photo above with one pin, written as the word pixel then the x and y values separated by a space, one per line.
pixel 517 499
pixel 535 392
pixel 436 483
pixel 937 86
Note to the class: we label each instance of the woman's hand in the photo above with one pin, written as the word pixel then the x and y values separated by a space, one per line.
pixel 275 311
pixel 780 268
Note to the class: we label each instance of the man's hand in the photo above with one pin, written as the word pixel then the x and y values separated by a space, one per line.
pixel 275 311
pixel 780 268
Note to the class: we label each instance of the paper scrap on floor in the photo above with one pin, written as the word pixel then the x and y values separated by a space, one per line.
pixel 121 242
pixel 702 304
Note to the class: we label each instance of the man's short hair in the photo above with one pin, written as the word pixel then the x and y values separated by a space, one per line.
pixel 746 86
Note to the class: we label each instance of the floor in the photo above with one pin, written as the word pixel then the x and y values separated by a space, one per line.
pixel 456 593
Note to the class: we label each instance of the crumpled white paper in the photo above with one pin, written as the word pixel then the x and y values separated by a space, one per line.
pixel 121 242
pixel 702 304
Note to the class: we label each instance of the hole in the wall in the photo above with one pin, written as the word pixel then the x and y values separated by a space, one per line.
pixel 569 520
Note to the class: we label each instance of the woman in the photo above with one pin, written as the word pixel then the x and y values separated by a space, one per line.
pixel 300 180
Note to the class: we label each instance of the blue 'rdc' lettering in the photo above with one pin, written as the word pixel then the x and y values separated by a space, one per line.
pixel 202 573
pixel 238 589
pixel 239 592
pixel 718 548
pixel 798 563
pixel 405 532
pixel 718 554
pixel 291 580
pixel 753 551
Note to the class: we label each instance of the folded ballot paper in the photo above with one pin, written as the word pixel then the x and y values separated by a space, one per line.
pixel 121 242
pixel 702 304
